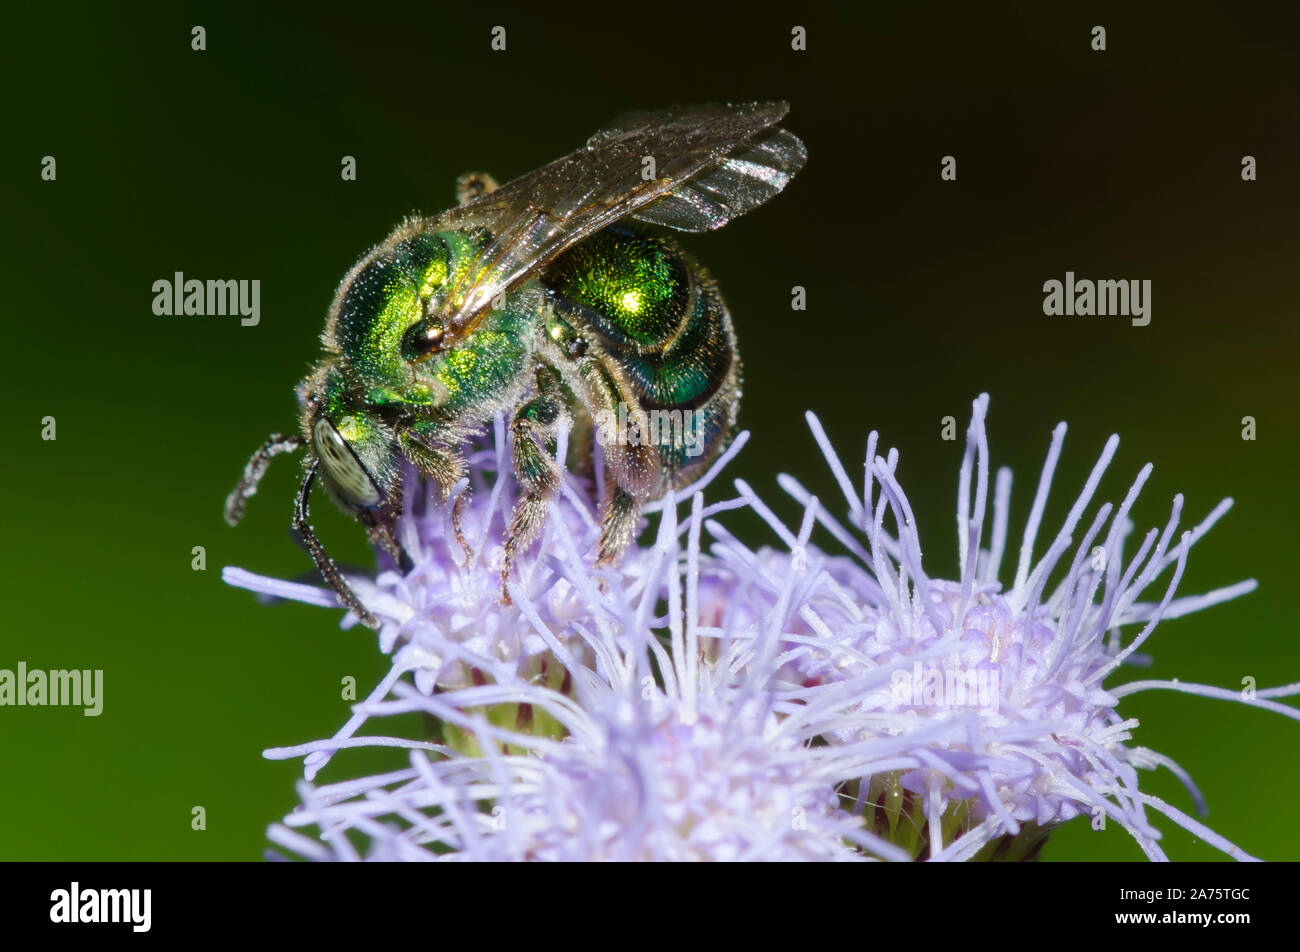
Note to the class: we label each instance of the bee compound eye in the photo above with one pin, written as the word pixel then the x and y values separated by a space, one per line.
pixel 342 467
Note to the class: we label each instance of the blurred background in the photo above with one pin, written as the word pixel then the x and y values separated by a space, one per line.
pixel 921 294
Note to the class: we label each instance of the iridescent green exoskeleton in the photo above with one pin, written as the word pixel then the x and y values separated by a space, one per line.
pixel 557 299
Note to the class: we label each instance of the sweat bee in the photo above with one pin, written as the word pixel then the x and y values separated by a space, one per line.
pixel 556 298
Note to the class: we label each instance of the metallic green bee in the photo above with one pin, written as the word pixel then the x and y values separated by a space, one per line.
pixel 554 299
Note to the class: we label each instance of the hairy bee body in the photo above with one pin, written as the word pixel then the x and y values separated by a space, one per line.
pixel 627 319
pixel 556 300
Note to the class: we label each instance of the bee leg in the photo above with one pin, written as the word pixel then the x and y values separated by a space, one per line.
pixel 536 470
pixel 457 525
pixel 632 464
pixel 472 185
pixel 328 570
pixel 380 524
pixel 445 468
pixel 254 471
pixel 618 520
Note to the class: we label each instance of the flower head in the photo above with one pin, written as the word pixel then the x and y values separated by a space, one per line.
pixel 448 610
pixel 647 752
pixel 999 691
pixel 779 703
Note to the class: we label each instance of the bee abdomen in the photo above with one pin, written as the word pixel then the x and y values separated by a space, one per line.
pixel 655 310
pixel 661 319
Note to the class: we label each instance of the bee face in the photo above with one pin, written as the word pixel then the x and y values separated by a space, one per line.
pixel 356 448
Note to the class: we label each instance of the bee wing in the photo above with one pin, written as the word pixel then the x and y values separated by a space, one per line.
pixel 711 164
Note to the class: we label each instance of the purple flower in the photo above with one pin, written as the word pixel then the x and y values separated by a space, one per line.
pixel 735 704
pixel 610 744
pixel 998 694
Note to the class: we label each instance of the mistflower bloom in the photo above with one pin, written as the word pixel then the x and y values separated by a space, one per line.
pixel 643 774
pixel 449 608
pixel 780 703
pixel 698 762
pixel 998 694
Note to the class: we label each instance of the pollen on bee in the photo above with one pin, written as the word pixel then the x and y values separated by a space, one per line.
pixel 348 429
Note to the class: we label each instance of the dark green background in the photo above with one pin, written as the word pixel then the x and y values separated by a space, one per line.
pixel 921 294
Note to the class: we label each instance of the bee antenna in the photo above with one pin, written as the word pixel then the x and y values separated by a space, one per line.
pixel 328 570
